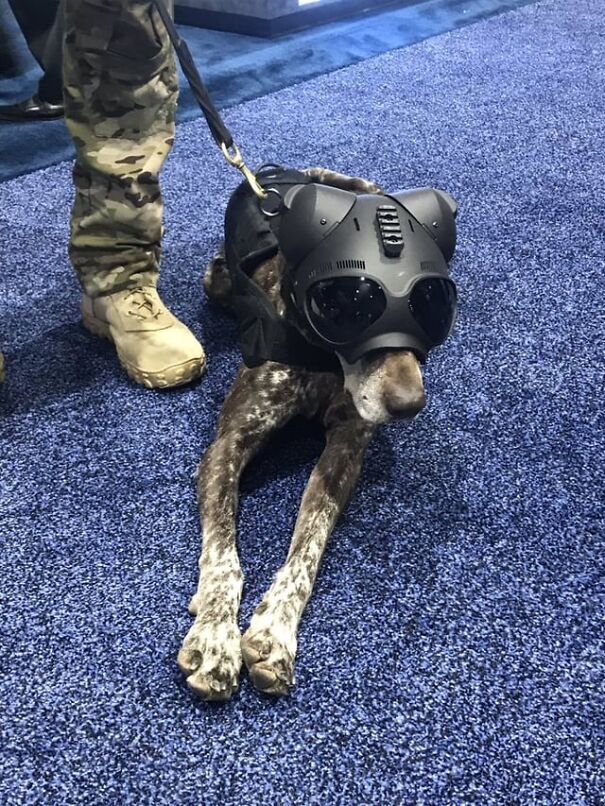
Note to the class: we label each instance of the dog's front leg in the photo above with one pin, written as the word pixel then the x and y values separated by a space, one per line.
pixel 211 655
pixel 260 401
pixel 269 645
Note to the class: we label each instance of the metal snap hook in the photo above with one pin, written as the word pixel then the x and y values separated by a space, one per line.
pixel 233 156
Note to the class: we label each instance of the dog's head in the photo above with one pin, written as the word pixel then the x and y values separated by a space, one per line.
pixel 360 302
pixel 385 386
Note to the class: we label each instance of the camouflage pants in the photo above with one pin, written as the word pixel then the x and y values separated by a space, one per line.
pixel 120 103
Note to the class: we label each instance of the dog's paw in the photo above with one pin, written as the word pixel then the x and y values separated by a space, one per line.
pixel 211 658
pixel 269 658
pixel 217 281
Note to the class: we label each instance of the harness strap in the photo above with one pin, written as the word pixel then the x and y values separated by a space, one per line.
pixel 264 336
pixel 251 238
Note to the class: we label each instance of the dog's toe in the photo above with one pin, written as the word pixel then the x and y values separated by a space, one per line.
pixel 194 605
pixel 210 688
pixel 269 680
pixel 250 654
pixel 266 680
pixel 263 677
pixel 188 660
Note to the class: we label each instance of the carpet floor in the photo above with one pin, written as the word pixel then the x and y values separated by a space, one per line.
pixel 453 651
pixel 239 68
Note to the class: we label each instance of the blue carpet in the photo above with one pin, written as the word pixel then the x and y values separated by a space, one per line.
pixel 454 649
pixel 238 68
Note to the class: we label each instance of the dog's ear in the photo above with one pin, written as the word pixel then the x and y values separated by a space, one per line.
pixel 355 184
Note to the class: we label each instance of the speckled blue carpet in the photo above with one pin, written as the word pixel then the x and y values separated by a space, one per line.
pixel 453 651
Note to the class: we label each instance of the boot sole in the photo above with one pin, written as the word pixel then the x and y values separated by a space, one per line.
pixel 171 376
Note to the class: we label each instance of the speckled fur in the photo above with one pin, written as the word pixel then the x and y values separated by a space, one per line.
pixel 260 401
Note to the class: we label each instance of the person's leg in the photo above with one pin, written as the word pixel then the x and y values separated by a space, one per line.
pixel 50 86
pixel 9 54
pixel 41 24
pixel 120 93
pixel 35 19
pixel 120 104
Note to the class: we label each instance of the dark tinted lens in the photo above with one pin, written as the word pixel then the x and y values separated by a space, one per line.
pixel 342 308
pixel 433 305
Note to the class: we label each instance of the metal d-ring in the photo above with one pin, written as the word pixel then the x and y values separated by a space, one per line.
pixel 271 213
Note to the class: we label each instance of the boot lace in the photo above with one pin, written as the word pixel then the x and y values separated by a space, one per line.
pixel 143 305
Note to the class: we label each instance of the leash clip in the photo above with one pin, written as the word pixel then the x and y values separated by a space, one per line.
pixel 234 158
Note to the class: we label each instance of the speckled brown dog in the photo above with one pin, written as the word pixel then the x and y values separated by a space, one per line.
pixel 350 405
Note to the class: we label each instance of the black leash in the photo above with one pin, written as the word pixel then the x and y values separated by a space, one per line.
pixel 216 124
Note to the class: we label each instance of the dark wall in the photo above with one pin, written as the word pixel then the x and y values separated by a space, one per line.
pixel 269 23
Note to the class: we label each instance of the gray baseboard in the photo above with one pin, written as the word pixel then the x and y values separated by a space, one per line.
pixel 265 26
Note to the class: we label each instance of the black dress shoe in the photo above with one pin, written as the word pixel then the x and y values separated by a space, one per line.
pixel 31 109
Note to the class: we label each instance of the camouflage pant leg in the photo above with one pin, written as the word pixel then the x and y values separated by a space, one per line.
pixel 120 103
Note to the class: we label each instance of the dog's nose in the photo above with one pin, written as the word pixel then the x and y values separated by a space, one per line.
pixel 401 405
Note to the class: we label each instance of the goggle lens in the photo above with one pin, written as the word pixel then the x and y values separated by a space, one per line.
pixel 342 308
pixel 433 306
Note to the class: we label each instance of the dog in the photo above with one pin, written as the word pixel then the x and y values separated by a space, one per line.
pixel 350 405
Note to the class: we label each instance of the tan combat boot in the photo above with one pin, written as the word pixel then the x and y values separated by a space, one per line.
pixel 154 348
